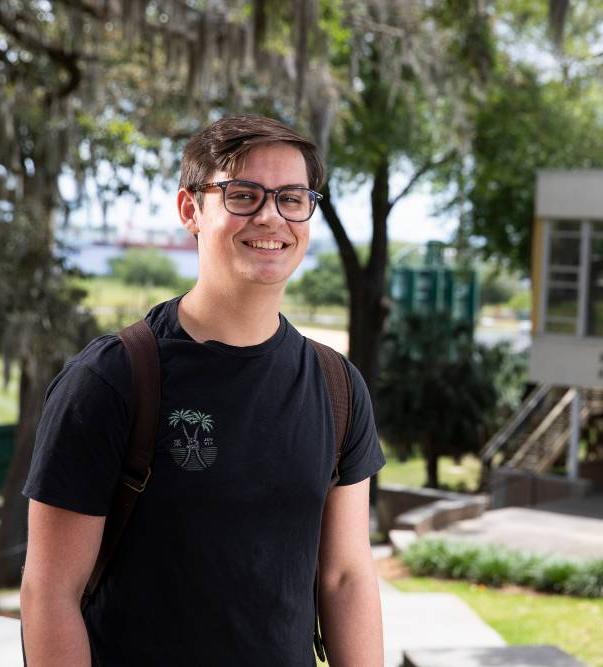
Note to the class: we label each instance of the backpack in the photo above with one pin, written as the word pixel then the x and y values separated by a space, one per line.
pixel 141 346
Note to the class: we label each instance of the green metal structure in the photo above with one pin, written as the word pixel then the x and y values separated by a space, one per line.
pixel 434 288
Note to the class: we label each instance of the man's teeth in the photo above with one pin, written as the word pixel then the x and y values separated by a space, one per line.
pixel 266 245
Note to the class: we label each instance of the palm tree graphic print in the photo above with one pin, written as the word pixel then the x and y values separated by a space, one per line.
pixel 198 451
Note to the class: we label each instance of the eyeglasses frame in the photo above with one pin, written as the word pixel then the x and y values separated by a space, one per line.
pixel 224 184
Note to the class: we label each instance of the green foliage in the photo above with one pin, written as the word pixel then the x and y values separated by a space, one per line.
pixel 522 126
pixel 495 565
pixel 496 286
pixel 146 267
pixel 42 320
pixel 322 286
pixel 439 389
pixel 521 303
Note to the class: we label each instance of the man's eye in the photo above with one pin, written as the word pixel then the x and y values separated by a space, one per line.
pixel 290 199
pixel 242 195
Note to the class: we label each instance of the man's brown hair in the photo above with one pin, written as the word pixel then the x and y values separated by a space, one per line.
pixel 223 146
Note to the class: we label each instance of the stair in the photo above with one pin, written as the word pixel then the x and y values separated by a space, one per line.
pixel 509 656
pixel 539 432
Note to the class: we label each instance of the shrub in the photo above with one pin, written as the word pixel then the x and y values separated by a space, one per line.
pixel 553 575
pixel 587 580
pixel 524 569
pixel 147 267
pixel 494 566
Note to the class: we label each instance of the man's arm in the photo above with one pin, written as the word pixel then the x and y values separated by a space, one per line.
pixel 61 552
pixel 349 605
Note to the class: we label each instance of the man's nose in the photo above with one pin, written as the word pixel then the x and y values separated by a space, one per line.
pixel 269 214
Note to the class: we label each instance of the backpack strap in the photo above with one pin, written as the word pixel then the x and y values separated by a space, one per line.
pixel 339 388
pixel 141 346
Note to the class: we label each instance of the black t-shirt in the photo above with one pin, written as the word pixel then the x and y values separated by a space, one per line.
pixel 217 563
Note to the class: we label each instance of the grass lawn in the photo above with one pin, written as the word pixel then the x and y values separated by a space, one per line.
pixel 116 304
pixel 8 396
pixel 522 617
pixel 412 472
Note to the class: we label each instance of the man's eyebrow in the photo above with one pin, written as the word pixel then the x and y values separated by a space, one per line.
pixel 285 185
pixel 294 185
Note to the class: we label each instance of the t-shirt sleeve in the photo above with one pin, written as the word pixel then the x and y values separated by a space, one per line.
pixel 361 455
pixel 80 443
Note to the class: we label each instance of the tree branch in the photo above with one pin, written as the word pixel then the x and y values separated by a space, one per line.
pixel 427 167
pixel 67 59
pixel 349 258
pixel 88 8
pixel 380 209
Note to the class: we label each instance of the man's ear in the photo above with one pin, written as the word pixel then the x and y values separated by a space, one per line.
pixel 187 212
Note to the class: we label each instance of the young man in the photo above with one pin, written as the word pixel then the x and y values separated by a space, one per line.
pixel 217 563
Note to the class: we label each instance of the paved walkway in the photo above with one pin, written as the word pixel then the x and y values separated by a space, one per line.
pixel 338 340
pixel 533 530
pixel 410 620
pixel 10 643
pixel 429 620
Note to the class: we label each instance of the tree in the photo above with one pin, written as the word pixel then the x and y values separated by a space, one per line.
pixel 93 90
pixel 146 267
pixel 525 125
pixel 41 324
pixel 440 390
pixel 532 113
pixel 399 116
pixel 322 285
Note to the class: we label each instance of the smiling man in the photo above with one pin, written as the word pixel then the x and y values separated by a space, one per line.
pixel 217 564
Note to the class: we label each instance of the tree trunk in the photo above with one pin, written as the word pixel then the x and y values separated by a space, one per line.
pixel 366 285
pixel 431 463
pixel 13 527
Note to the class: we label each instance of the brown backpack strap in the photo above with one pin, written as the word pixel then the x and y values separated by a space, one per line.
pixel 141 346
pixel 339 388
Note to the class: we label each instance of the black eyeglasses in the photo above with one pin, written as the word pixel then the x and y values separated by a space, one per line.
pixel 295 203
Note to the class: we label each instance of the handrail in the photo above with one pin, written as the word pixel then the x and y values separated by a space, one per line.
pixel 544 425
pixel 504 433
pixel 559 444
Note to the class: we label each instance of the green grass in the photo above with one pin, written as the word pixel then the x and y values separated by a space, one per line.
pixel 8 397
pixel 116 304
pixel 327 317
pixel 572 624
pixel 412 472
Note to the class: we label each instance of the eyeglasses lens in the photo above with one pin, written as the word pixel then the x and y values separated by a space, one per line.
pixel 295 204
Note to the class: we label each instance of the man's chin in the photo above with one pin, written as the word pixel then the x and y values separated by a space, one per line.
pixel 277 276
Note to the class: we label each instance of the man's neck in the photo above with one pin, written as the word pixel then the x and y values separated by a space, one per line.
pixel 240 319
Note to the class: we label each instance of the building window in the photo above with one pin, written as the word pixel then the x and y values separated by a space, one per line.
pixel 563 277
pixel 594 314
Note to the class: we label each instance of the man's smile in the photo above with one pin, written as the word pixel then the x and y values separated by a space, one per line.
pixel 269 245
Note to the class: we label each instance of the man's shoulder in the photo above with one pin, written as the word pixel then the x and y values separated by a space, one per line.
pixel 104 358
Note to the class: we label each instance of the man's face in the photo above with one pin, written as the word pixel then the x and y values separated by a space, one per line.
pixel 226 241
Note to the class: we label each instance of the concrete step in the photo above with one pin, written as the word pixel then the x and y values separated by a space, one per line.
pixel 429 620
pixel 496 656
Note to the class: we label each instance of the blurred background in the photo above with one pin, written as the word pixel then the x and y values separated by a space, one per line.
pixel 454 258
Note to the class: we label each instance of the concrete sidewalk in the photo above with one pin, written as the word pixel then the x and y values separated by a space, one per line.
pixel 410 620
pixel 534 530
pixel 429 620
pixel 10 642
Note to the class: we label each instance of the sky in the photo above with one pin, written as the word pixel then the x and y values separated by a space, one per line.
pixel 411 220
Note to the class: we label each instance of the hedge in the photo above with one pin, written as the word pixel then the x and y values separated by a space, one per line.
pixel 495 565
